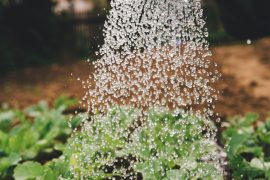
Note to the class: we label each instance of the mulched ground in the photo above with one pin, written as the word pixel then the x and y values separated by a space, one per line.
pixel 245 84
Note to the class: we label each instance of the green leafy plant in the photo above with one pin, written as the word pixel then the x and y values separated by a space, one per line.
pixel 33 134
pixel 52 170
pixel 175 147
pixel 117 145
pixel 248 147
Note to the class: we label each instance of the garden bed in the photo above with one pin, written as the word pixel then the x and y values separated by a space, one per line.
pixel 36 143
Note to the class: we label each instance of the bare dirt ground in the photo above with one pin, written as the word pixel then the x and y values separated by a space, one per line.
pixel 245 84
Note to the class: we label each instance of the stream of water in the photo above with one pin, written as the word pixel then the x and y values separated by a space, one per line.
pixel 155 55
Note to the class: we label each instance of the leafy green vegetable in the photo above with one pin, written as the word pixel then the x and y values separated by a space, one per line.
pixel 174 147
pixel 26 135
pixel 29 170
pixel 115 145
pixel 165 147
pixel 248 147
pixel 5 120
pixel 11 160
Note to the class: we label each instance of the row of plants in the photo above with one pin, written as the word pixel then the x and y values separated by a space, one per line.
pixel 38 143
pixel 247 143
pixel 35 134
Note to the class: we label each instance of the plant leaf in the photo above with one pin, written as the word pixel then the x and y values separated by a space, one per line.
pixel 11 160
pixel 29 170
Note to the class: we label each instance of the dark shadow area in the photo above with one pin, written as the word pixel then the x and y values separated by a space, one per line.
pixel 245 18
pixel 33 34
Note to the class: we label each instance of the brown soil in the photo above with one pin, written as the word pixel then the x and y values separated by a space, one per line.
pixel 245 84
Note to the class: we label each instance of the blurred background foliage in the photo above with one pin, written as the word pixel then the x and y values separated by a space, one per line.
pixel 35 32
pixel 28 33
